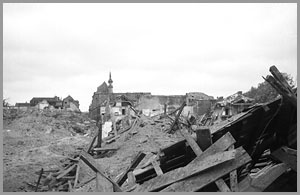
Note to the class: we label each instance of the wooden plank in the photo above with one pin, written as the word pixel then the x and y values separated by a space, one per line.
pixel 77 175
pixel 89 160
pixel 287 156
pixel 262 179
pixel 157 167
pixel 131 178
pixel 177 117
pixel 233 181
pixel 203 137
pixel 191 169
pixel 201 180
pixel 102 184
pixel 66 171
pixel 222 185
pixel 104 149
pixel 191 142
pixel 91 144
pixel 220 145
pixel 279 77
pixel 233 177
pixel 138 158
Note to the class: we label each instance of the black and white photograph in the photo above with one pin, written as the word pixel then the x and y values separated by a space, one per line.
pixel 149 97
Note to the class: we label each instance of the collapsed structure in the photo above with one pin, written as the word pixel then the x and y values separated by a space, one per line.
pixel 248 149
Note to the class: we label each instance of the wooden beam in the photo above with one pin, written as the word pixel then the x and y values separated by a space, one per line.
pixel 173 176
pixel 89 160
pixel 197 150
pixel 222 185
pixel 99 140
pixel 287 156
pixel 157 167
pixel 220 145
pixel 66 171
pixel 91 144
pixel 233 177
pixel 233 181
pixel 39 179
pixel 177 117
pixel 279 77
pixel 201 180
pixel 138 158
pixel 203 137
pixel 102 184
pixel 191 142
pixel 104 149
pixel 77 174
pixel 262 179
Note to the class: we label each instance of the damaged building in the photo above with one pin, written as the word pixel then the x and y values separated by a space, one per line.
pixel 107 103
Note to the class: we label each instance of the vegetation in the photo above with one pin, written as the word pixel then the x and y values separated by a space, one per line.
pixel 264 92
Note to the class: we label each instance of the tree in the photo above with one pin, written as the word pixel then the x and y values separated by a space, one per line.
pixel 264 92
pixel 5 102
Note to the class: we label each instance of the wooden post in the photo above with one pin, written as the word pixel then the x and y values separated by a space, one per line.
pixel 177 116
pixel 38 182
pixel 99 132
pixel 233 177
pixel 203 137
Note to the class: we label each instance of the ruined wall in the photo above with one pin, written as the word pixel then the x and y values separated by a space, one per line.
pixel 154 104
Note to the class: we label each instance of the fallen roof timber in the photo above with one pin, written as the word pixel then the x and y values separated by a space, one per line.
pixel 168 178
pixel 201 180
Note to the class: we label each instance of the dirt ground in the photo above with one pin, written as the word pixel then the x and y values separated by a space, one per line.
pixel 44 139
pixel 40 139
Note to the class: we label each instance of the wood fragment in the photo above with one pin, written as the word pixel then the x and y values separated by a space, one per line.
pixel 287 156
pixel 104 149
pixel 203 137
pixel 131 178
pixel 173 176
pixel 39 179
pixel 233 177
pixel 89 160
pixel 191 142
pixel 138 158
pixel 66 171
pixel 197 150
pixel 156 167
pixel 77 175
pixel 199 181
pixel 262 179
pixel 233 181
pixel 177 117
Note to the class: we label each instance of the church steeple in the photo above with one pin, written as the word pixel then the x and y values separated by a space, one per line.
pixel 110 81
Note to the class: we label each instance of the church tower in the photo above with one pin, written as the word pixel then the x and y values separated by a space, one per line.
pixel 110 87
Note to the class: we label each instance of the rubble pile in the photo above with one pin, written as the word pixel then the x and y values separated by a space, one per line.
pixel 255 150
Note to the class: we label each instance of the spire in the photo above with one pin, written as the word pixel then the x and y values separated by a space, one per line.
pixel 110 81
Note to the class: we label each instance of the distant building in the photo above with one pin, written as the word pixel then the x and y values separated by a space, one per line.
pixel 232 105
pixel 22 106
pixel 69 102
pixel 56 102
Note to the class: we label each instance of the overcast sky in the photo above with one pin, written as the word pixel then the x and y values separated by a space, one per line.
pixel 166 49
